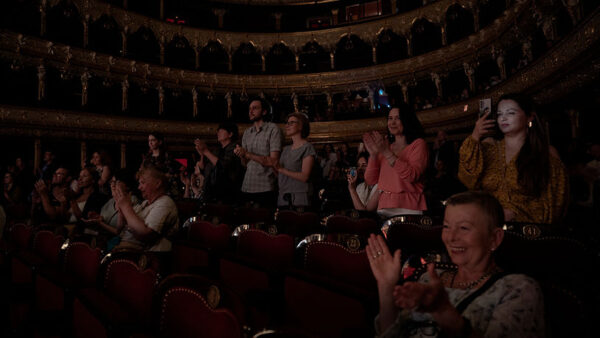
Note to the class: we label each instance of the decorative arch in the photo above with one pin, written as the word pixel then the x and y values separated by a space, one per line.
pixel 391 47
pixel 489 10
pixel 459 23
pixel 179 53
pixel 280 59
pixel 246 59
pixel 352 52
pixel 64 24
pixel 105 36
pixel 214 58
pixel 143 45
pixel 426 36
pixel 314 58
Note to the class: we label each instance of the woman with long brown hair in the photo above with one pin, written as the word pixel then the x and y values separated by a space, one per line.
pixel 521 170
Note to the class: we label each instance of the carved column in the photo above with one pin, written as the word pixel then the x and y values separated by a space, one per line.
pixel 43 5
pixel 230 64
pixel 263 62
pixel 220 13
pixel 470 73
pixel 124 38
pixel 162 10
pixel 374 51
pixel 332 60
pixel 404 87
pixel 334 16
pixel 329 98
pixel 444 29
pixel 476 19
pixel 229 99
pixel 162 43
pixel 123 155
pixel 161 99
pixel 409 45
pixel 197 54
pixel 297 60
pixel 41 82
pixel 124 94
pixel 37 153
pixel 84 87
pixel 437 81
pixel 86 30
pixel 194 102
pixel 82 153
pixel 295 103
pixel 277 21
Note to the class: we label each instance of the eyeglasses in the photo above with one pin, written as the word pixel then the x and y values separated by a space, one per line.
pixel 426 328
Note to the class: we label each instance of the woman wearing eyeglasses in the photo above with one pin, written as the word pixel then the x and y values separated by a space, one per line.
pixel 295 164
pixel 475 298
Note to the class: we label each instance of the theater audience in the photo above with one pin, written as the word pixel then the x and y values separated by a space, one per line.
pixel 226 172
pixel 107 221
pixel 47 168
pixel 397 163
pixel 101 162
pixel 364 196
pixel 159 158
pixel 148 225
pixel 78 204
pixel 46 202
pixel 194 182
pixel 295 165
pixel 260 150
pixel 521 170
pixel 477 299
pixel 12 194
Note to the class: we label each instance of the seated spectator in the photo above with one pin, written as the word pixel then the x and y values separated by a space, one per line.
pixel 46 202
pixel 149 224
pixel 107 221
pixel 77 205
pixel 101 162
pixel 521 170
pixel 11 194
pixel 194 182
pixel 477 299
pixel 226 172
pixel 364 196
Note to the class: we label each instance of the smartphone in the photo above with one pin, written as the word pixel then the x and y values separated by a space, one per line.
pixel 352 171
pixel 485 106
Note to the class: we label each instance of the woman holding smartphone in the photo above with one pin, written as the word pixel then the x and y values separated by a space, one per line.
pixel 397 163
pixel 521 170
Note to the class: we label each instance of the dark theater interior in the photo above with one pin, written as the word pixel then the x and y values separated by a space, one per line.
pixel 299 168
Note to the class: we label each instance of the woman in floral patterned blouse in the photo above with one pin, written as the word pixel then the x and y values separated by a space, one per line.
pixel 521 170
pixel 476 299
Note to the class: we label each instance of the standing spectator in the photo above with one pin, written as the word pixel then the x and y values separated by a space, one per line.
pixel 260 150
pixel 48 167
pixel 521 170
pixel 158 157
pixel 101 162
pixel 226 173
pixel 296 163
pixel 397 164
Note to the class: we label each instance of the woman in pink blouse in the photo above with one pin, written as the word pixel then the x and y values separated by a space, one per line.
pixel 397 163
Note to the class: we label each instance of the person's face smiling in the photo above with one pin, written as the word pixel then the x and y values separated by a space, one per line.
pixel 511 118
pixel 394 124
pixel 467 236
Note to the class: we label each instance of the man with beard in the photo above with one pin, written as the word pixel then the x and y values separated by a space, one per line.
pixel 260 150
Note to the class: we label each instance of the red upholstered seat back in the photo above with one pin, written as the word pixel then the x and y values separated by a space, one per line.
pixel 186 314
pixel 337 262
pixel 345 224
pixel 274 252
pixel 82 262
pixel 47 245
pixel 133 288
pixel 208 235
pixel 19 235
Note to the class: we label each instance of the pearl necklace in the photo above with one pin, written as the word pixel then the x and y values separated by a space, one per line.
pixel 469 285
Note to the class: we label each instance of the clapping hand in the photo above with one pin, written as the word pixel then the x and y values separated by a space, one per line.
pixel 430 297
pixel 239 151
pixel 385 267
pixel 122 198
pixel 200 146
pixel 375 143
